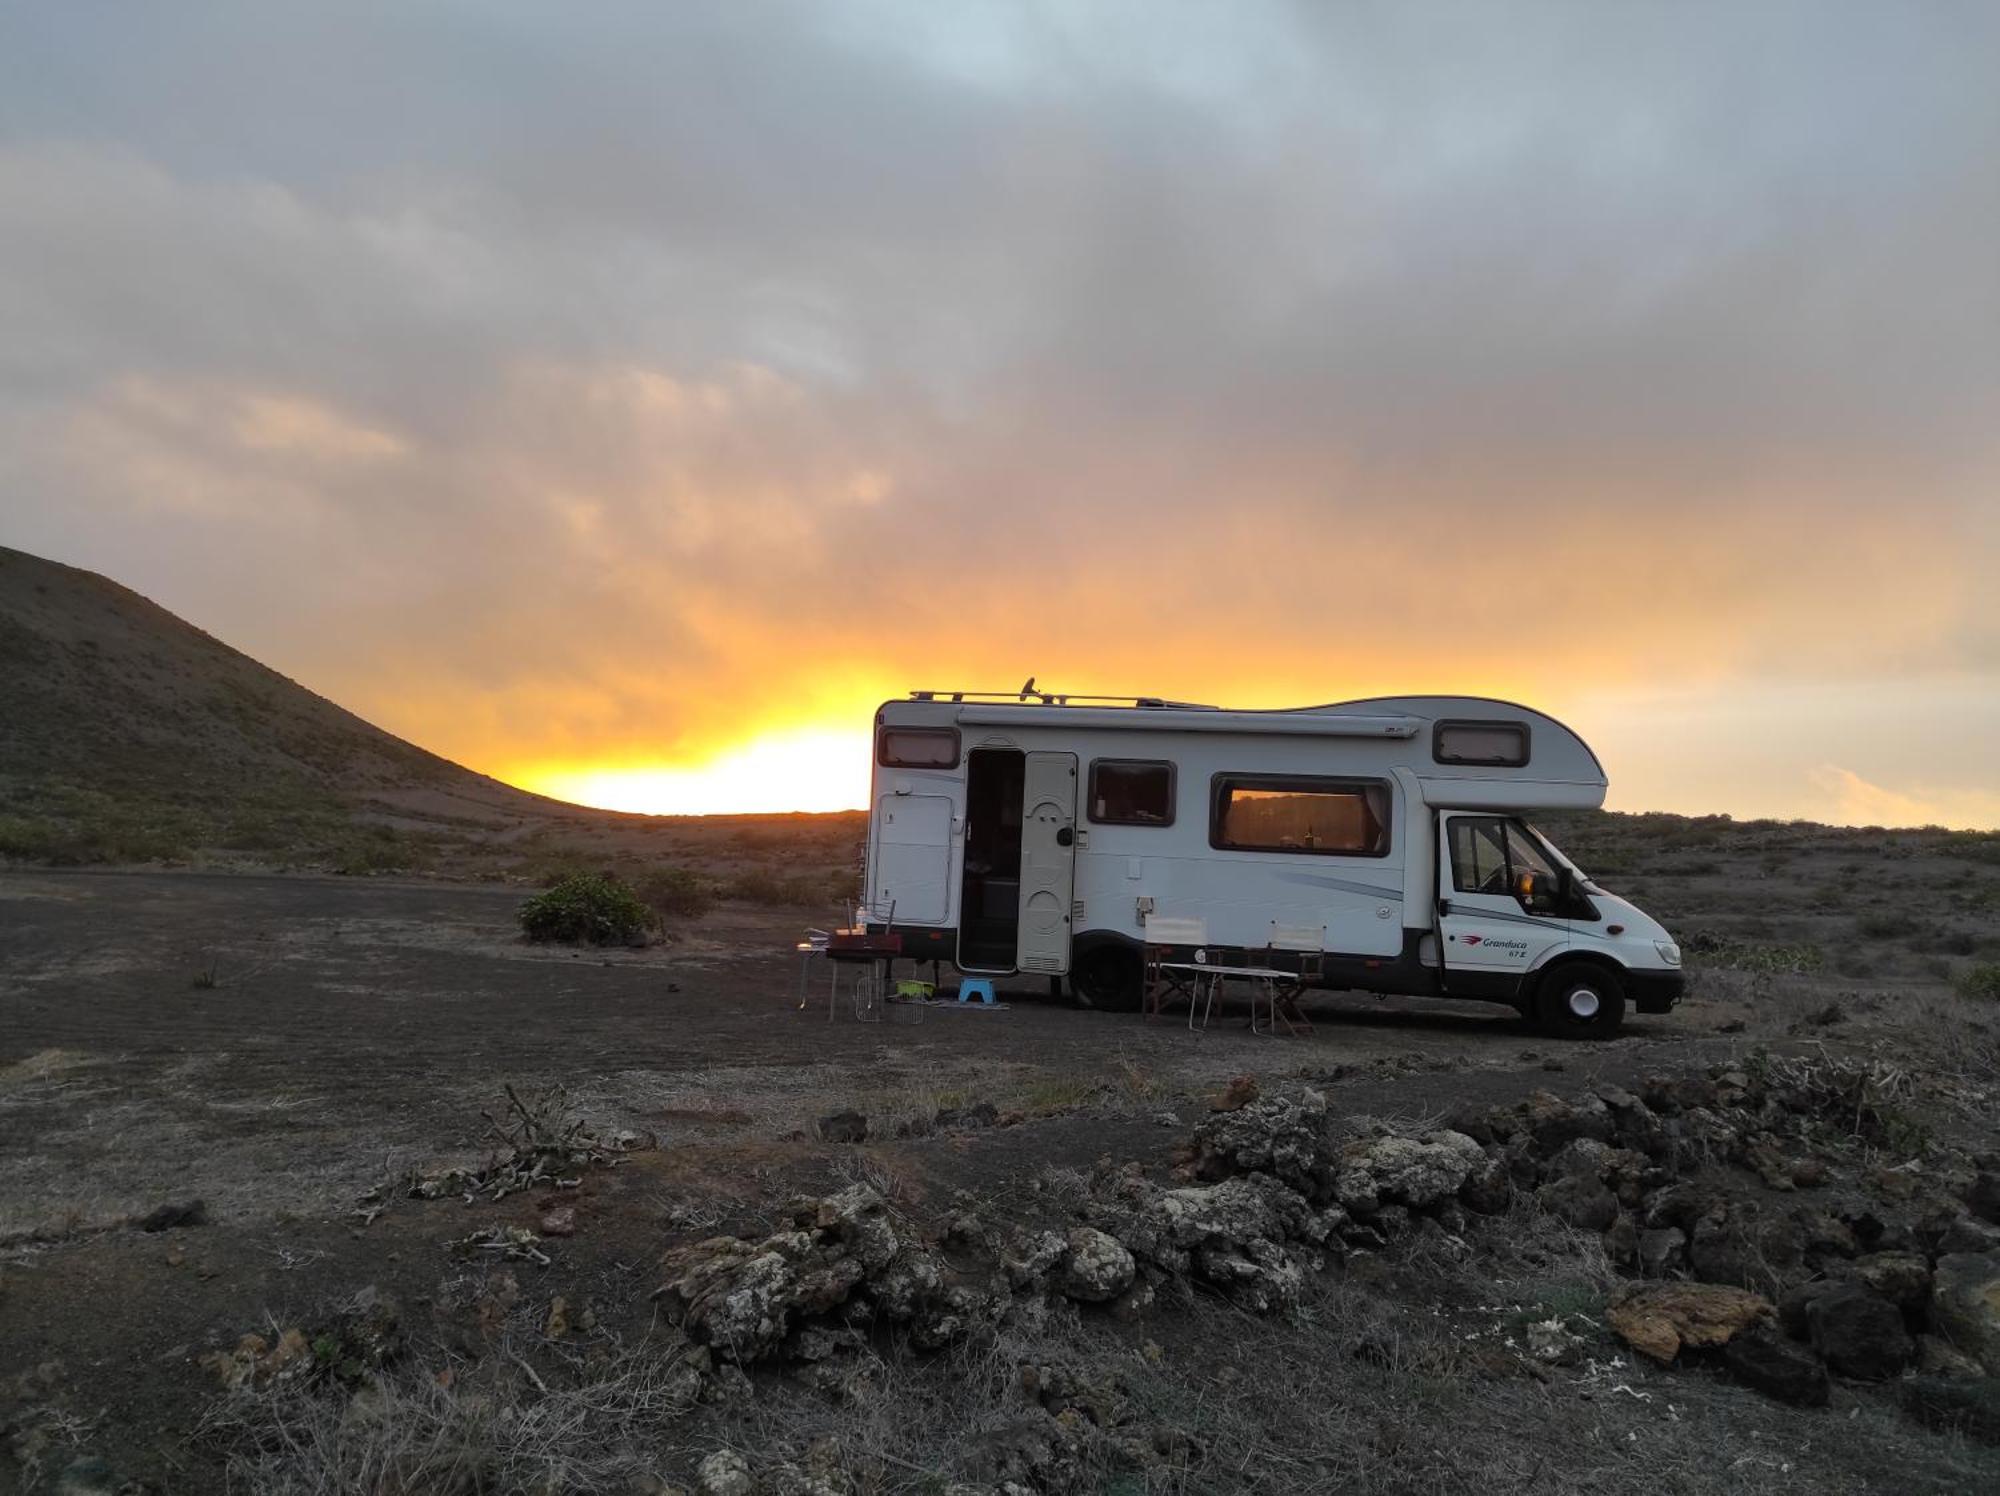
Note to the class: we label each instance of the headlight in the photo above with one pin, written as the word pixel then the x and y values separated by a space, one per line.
pixel 1669 952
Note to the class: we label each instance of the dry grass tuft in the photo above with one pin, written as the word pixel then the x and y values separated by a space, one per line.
pixel 594 1422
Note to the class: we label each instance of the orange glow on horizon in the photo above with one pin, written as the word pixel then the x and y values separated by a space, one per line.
pixel 823 763
pixel 815 768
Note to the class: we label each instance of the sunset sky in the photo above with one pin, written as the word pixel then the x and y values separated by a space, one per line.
pixel 622 399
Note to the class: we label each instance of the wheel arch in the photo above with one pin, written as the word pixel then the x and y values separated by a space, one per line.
pixel 1088 947
pixel 1558 959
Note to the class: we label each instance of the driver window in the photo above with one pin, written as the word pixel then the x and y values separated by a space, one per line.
pixel 1527 856
pixel 1479 856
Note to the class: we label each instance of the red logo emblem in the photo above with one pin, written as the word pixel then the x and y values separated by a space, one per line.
pixel 1472 939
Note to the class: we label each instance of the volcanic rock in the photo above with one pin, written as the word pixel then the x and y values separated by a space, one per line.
pixel 1661 1250
pixel 1488 1188
pixel 1903 1278
pixel 1937 1357
pixel 1760 1357
pixel 1661 1319
pixel 1097 1266
pixel 1579 1200
pixel 1859 1332
pixel 725 1473
pixel 1965 1306
pixel 1284 1137
pixel 1413 1172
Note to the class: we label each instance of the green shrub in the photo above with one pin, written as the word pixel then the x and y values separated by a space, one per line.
pixel 1705 948
pixel 34 840
pixel 1980 980
pixel 592 908
pixel 674 892
pixel 793 891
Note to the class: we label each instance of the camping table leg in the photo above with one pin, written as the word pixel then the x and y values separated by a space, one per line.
pixel 1203 997
pixel 871 987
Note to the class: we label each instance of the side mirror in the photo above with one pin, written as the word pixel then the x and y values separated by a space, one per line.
pixel 1542 891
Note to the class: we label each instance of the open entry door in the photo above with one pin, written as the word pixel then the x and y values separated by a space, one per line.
pixel 1048 862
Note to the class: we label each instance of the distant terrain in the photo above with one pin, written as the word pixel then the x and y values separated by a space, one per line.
pixel 130 737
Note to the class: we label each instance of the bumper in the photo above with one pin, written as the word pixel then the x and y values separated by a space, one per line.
pixel 1655 991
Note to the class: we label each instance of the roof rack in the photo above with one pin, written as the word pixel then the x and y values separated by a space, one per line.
pixel 1031 697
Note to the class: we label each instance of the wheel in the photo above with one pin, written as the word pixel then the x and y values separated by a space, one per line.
pixel 1580 1000
pixel 1111 977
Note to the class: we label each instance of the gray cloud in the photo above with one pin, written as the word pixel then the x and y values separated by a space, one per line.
pixel 424 347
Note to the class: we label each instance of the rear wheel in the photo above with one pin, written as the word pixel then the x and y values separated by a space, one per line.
pixel 1110 977
pixel 1580 1000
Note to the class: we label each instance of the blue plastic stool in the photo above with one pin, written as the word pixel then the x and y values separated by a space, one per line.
pixel 979 987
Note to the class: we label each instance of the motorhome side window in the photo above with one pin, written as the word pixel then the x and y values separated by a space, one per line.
pixel 1327 817
pixel 1131 792
pixel 917 748
pixel 1493 745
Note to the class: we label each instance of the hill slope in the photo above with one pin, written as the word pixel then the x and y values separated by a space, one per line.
pixel 128 734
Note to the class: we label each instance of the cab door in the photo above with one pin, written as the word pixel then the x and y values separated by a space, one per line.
pixel 1048 862
pixel 1488 936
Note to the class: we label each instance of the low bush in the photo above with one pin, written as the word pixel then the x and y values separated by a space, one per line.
pixel 586 908
pixel 796 890
pixel 373 849
pixel 1980 980
pixel 29 839
pixel 674 892
pixel 1709 949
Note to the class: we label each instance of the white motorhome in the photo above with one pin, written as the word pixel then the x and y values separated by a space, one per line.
pixel 1042 835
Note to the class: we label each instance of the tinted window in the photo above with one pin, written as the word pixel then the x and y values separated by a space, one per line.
pixel 1494 744
pixel 1479 856
pixel 1487 856
pixel 1131 792
pixel 917 748
pixel 1330 817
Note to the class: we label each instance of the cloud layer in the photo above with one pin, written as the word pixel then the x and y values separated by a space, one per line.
pixel 572 388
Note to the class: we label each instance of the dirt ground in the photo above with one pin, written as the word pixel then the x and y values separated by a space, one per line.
pixel 278 1047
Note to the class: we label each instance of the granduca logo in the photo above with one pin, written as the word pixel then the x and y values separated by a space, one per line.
pixel 1494 944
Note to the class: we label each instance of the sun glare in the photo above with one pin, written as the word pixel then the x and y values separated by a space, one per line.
pixel 807 769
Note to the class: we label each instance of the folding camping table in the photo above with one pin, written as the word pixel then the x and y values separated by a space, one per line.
pixel 1276 988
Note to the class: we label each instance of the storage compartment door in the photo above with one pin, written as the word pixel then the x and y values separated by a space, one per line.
pixel 1048 862
pixel 913 857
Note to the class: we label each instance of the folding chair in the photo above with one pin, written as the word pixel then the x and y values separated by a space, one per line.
pixel 1163 934
pixel 1290 949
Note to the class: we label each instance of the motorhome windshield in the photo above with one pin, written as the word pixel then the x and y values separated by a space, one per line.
pixel 1560 857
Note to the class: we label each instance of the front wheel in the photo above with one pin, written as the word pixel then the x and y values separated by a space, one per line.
pixel 1111 977
pixel 1580 1000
